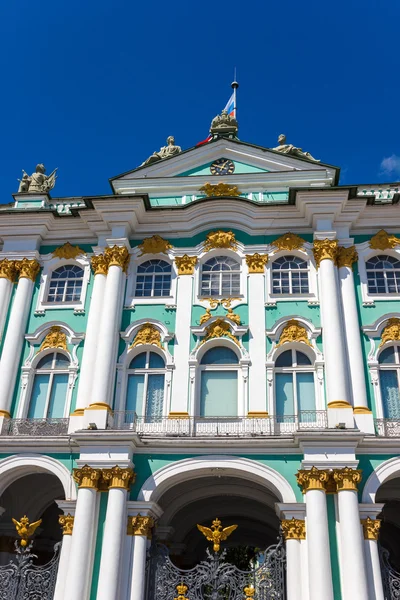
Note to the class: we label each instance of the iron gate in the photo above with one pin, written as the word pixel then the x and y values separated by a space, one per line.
pixel 215 579
pixel 390 577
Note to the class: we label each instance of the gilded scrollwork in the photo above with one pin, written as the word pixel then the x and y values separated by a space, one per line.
pixel 56 338
pixel 117 256
pixel 220 239
pixel 219 329
pixel 186 264
pixel 289 241
pixel 147 334
pixel 383 241
pixel 7 269
pixel 154 245
pixel 293 332
pixel 293 529
pixel 256 262
pixel 391 331
pixel 67 251
pixel 325 250
pixel 219 189
pixel 346 257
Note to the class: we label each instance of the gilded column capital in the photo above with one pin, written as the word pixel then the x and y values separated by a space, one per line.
pixel 99 264
pixel 325 250
pixel 87 477
pixel 186 264
pixel 371 528
pixel 118 256
pixel 67 523
pixel 116 477
pixel 293 529
pixel 346 257
pixel 256 262
pixel 347 478
pixel 139 525
pixel 313 479
pixel 7 269
pixel 28 268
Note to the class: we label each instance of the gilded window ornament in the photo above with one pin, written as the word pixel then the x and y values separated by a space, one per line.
pixel 256 262
pixel 99 264
pixel 219 189
pixel 56 338
pixel 293 332
pixel 325 250
pixel 147 334
pixel 139 525
pixel 371 528
pixel 7 269
pixel 154 245
pixel 219 329
pixel 118 256
pixel 68 251
pixel 181 589
pixel 87 477
pixel 118 478
pixel 383 241
pixel 391 332
pixel 293 529
pixel 233 316
pixel 347 478
pixel 346 257
pixel 67 523
pixel 27 268
pixel 313 479
pixel 289 241
pixel 25 529
pixel 220 239
pixel 186 264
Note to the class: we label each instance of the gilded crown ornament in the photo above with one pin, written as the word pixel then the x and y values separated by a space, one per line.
pixel 289 241
pixel 181 589
pixel 371 528
pixel 56 338
pixel 293 332
pixel 25 529
pixel 325 250
pixel 219 329
pixel 212 190
pixel 118 256
pixel 7 269
pixel 220 239
pixel 216 534
pixel 391 332
pixel 313 479
pixel 293 529
pixel 99 264
pixel 346 257
pixel 256 262
pixel 68 251
pixel 154 245
pixel 147 334
pixel 27 268
pixel 116 477
pixel 87 477
pixel 249 592
pixel 67 523
pixel 186 264
pixel 347 478
pixel 139 525
pixel 383 241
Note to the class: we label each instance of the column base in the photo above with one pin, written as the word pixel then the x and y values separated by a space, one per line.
pixel 340 415
pixel 364 419
pixel 76 420
pixel 97 416
pixel 4 416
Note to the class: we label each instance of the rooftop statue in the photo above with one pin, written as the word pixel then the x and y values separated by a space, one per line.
pixel 224 124
pixel 285 148
pixel 164 152
pixel 38 182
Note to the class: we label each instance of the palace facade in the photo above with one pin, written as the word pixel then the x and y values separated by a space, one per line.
pixel 219 338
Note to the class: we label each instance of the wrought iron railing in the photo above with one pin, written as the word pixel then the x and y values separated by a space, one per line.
pixel 387 427
pixel 35 427
pixel 219 426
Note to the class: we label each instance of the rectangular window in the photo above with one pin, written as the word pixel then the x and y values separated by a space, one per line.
pixel 37 404
pixel 390 394
pixel 134 396
pixel 219 394
pixel 306 397
pixel 284 396
pixel 155 397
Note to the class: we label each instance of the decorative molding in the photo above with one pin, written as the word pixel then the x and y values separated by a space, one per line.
pixel 219 329
pixel 256 262
pixel 186 264
pixel 371 528
pixel 325 250
pixel 118 478
pixel 68 251
pixel 347 478
pixel 87 477
pixel 27 268
pixel 391 331
pixel 7 269
pixel 232 316
pixel 67 523
pixel 139 525
pixel 225 302
pixel 289 241
pixel 117 256
pixel 219 189
pixel 383 241
pixel 207 315
pixel 313 479
pixel 154 245
pixel 257 414
pixel 293 332
pixel 293 529
pixel 56 338
pixel 99 264
pixel 346 257
pixel 147 334
pixel 220 239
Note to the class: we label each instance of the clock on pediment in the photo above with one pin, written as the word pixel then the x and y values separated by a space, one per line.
pixel 222 166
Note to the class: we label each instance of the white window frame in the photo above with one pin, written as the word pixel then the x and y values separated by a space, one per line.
pixel 51 372
pixel 131 300
pixel 207 368
pixel 216 252
pixel 50 264
pixel 364 254
pixel 146 371
pixel 393 367
pixel 294 370
pixel 311 297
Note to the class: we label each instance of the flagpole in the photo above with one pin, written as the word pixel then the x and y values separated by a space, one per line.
pixel 234 86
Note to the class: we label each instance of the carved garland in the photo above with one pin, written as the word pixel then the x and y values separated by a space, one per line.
pixel 391 332
pixel 56 338
pixel 256 262
pixel 147 334
pixel 219 329
pixel 154 245
pixel 383 241
pixel 293 332
pixel 68 251
pixel 220 239
pixel 289 241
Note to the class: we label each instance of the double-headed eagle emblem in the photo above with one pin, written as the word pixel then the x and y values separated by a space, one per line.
pixel 25 529
pixel 216 534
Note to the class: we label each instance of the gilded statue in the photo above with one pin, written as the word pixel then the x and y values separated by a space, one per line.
pixel 220 239
pixel 224 124
pixel 216 534
pixel 38 182
pixel 25 529
pixel 285 148
pixel 165 152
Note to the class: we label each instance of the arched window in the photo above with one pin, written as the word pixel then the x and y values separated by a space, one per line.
pixel 389 378
pixel 146 382
pixel 290 275
pixel 153 278
pixel 219 383
pixel 383 274
pixel 66 284
pixel 220 276
pixel 294 386
pixel 50 387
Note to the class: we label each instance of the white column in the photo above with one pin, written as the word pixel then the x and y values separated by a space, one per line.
pixel 293 532
pixel 80 566
pixel 114 532
pixel 7 276
pixel 372 561
pixel 352 566
pixel 67 523
pixel 184 293
pixel 141 530
pixel 257 343
pixel 14 338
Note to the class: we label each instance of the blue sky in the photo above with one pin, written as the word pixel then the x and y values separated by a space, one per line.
pixel 93 87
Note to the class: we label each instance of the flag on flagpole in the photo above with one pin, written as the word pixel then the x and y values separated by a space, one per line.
pixel 230 109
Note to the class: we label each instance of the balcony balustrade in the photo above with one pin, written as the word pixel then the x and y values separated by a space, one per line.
pixel 35 427
pixel 387 427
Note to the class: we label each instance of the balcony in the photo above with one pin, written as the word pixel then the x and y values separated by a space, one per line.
pixel 220 427
pixel 35 427
pixel 387 427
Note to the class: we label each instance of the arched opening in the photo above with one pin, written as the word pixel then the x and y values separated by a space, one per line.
pixel 389 536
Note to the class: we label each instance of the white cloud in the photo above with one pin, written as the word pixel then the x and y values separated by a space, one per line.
pixel 391 165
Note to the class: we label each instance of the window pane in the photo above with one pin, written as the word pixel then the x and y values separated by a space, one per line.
pixel 38 397
pixel 134 394
pixel 139 362
pixel 390 394
pixel 305 395
pixel 302 359
pixel 61 362
pixel 284 359
pixel 387 357
pixel 45 362
pixel 284 394
pixel 58 396
pixel 218 396
pixel 155 397
pixel 219 356
pixel 156 361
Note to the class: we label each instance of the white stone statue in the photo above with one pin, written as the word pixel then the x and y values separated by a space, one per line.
pixel 38 182
pixel 224 124
pixel 165 152
pixel 292 150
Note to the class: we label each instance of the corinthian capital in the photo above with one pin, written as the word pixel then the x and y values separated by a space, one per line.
pixel 346 257
pixel 27 268
pixel 118 256
pixel 293 529
pixel 87 477
pixel 118 478
pixel 325 250
pixel 347 478
pixel 371 528
pixel 313 479
pixel 67 523
pixel 99 264
pixel 7 269
pixel 139 525
pixel 256 262
pixel 186 264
